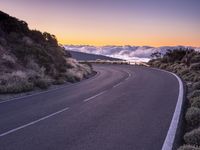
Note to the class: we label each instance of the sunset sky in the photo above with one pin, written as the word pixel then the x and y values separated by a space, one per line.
pixel 112 22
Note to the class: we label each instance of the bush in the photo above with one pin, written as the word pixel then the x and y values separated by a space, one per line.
pixel 189 147
pixel 192 100
pixel 8 61
pixel 163 66
pixel 195 59
pixel 193 137
pixel 196 78
pixel 195 66
pixel 156 63
pixel 59 81
pixel 195 93
pixel 193 117
pixel 74 75
pixel 87 63
pixel 184 71
pixel 42 83
pixel 196 86
pixel 196 103
pixel 16 87
pixel 15 82
pixel 9 58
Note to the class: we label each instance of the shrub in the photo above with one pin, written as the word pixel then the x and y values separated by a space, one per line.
pixel 193 117
pixel 195 66
pixel 195 93
pixel 87 63
pixel 196 78
pixel 31 64
pixel 184 71
pixel 16 87
pixel 42 83
pixel 163 66
pixel 196 103
pixel 196 86
pixel 189 147
pixel 156 63
pixel 193 137
pixel 175 55
pixel 15 82
pixel 192 100
pixel 74 75
pixel 77 71
pixel 8 58
pixel 187 77
pixel 195 59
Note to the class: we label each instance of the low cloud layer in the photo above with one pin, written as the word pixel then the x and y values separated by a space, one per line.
pixel 137 53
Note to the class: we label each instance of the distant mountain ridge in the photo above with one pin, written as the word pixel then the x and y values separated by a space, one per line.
pixel 125 52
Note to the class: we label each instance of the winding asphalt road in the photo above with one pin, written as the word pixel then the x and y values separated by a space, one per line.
pixel 121 108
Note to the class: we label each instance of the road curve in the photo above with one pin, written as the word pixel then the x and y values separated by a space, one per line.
pixel 122 108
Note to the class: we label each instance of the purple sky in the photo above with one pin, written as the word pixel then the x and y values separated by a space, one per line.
pixel 112 22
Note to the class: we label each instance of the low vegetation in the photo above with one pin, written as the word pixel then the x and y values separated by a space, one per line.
pixel 31 59
pixel 189 147
pixel 186 64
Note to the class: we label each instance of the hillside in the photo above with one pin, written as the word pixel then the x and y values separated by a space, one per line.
pixel 31 59
pixel 85 56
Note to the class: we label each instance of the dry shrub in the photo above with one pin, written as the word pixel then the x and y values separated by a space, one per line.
pixel 77 71
pixel 15 82
pixel 189 147
pixel 193 137
pixel 193 117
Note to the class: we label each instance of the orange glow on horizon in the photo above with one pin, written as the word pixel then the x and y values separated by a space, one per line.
pixel 171 42
pixel 88 24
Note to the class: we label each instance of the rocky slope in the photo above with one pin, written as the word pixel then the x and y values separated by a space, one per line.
pixel 31 59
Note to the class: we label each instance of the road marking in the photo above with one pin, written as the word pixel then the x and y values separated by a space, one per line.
pixel 170 138
pixel 90 98
pixel 129 75
pixel 117 85
pixel 33 122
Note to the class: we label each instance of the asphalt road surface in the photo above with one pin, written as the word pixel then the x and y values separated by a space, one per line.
pixel 121 108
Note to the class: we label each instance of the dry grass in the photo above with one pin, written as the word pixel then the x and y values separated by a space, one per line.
pixel 15 82
pixel 77 71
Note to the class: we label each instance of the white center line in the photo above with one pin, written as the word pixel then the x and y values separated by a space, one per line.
pixel 90 98
pixel 129 75
pixel 126 79
pixel 117 85
pixel 33 122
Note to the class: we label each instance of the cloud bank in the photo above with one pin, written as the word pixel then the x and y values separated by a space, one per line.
pixel 137 53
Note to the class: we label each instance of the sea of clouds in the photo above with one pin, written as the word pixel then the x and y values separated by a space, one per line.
pixel 136 53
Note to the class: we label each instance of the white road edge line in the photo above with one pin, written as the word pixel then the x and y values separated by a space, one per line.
pixel 90 98
pixel 169 140
pixel 33 122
